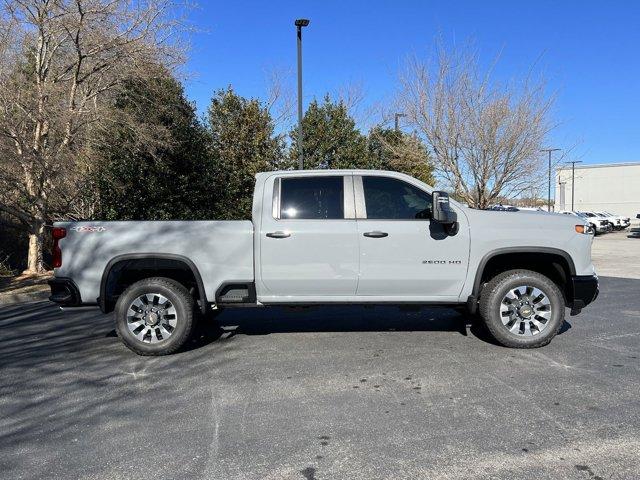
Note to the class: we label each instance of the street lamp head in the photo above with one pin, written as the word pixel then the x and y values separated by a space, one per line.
pixel 301 22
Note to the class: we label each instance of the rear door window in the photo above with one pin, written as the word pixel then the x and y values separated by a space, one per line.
pixel 312 198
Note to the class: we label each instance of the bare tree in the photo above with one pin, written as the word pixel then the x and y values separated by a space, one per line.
pixel 365 112
pixel 280 98
pixel 61 63
pixel 486 137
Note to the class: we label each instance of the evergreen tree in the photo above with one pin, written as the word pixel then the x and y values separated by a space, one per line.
pixel 242 144
pixel 331 139
pixel 153 162
pixel 393 150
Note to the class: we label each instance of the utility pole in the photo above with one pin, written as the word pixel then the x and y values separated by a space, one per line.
pixel 397 117
pixel 549 150
pixel 299 23
pixel 573 181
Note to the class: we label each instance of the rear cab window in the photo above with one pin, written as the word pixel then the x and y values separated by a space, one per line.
pixel 312 198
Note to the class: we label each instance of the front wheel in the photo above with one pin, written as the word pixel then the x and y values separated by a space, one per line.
pixel 522 309
pixel 155 316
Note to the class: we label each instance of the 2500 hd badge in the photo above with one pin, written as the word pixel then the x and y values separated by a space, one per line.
pixel 442 262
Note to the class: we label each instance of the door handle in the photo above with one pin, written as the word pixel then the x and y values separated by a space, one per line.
pixel 376 234
pixel 278 235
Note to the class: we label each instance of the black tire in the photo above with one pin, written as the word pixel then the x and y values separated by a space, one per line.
pixel 179 298
pixel 495 291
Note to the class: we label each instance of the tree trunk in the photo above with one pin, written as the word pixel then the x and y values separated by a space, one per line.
pixel 36 243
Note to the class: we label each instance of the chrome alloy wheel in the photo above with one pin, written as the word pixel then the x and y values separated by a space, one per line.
pixel 152 318
pixel 525 311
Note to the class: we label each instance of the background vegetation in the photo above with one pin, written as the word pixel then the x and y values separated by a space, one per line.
pixel 95 124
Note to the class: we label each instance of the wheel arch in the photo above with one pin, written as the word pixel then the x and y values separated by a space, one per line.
pixel 559 266
pixel 112 274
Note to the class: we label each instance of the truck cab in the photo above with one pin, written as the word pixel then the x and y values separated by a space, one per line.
pixel 354 237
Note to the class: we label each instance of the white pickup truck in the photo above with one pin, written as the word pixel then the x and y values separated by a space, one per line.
pixel 330 237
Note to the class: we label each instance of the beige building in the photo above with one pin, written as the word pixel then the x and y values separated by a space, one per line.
pixel 613 187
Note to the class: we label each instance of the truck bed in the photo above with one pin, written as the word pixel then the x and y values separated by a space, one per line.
pixel 220 250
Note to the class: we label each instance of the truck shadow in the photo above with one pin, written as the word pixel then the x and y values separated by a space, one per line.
pixel 274 320
pixel 36 331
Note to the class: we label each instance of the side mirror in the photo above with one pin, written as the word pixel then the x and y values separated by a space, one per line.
pixel 443 213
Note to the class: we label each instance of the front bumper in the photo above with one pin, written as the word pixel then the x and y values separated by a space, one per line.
pixel 64 292
pixel 584 290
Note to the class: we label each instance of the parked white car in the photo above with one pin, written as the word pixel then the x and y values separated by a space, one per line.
pixel 602 224
pixel 597 226
pixel 624 222
pixel 614 221
pixel 531 209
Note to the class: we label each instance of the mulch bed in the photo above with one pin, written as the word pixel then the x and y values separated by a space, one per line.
pixel 24 283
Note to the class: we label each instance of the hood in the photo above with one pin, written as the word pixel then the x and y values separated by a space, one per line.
pixel 523 220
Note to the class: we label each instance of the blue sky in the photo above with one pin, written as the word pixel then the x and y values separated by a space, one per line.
pixel 589 53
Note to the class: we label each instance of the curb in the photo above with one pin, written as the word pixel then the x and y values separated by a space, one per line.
pixel 11 298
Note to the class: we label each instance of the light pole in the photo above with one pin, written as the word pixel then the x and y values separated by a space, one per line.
pixel 299 23
pixel 573 180
pixel 549 150
pixel 397 117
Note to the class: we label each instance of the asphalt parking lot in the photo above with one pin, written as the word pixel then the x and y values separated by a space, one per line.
pixel 323 393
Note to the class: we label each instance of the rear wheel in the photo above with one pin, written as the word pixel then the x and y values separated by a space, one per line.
pixel 155 316
pixel 522 309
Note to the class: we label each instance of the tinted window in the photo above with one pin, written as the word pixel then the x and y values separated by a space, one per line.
pixel 388 198
pixel 312 198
